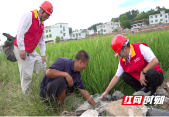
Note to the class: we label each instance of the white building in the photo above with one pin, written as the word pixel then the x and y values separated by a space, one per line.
pixel 108 27
pixel 78 34
pixel 138 24
pixel 157 18
pixel 90 32
pixel 59 29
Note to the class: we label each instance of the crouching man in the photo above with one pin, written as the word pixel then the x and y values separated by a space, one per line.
pixel 63 77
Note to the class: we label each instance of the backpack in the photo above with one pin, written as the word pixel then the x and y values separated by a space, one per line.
pixel 8 48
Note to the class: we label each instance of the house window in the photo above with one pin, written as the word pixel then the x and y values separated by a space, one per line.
pixel 60 31
pixel 63 28
pixel 161 19
pixel 160 15
pixel 156 20
pixel 151 16
pixel 64 34
pixel 49 30
pixel 46 36
pixel 155 16
pixel 79 34
pixel 151 21
pixel 104 30
pixel 76 35
pixel 100 26
pixel 97 27
pixel 103 26
pixel 61 37
pixel 50 35
pixel 60 26
pixel 112 27
pixel 166 20
pixel 46 31
pixel 111 23
pixel 165 16
pixel 73 35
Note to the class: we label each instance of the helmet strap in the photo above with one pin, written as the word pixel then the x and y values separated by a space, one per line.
pixel 125 53
pixel 43 11
pixel 41 15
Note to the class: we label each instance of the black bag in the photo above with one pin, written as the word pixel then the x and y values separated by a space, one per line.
pixel 8 48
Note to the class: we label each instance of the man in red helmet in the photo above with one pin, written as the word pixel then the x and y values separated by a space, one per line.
pixel 138 66
pixel 30 34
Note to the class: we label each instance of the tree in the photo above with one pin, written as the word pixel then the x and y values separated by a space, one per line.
pixel 94 27
pixel 57 39
pixel 115 30
pixel 140 16
pixel 115 19
pixel 130 14
pixel 124 22
pixel 163 8
pixel 158 8
pixel 99 34
pixel 134 13
pixel 70 30
pixel 87 35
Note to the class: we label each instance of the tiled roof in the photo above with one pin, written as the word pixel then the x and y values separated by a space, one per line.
pixel 138 21
pixel 100 25
pixel 47 27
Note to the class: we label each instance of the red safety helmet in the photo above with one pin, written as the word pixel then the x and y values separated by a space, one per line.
pixel 117 43
pixel 47 6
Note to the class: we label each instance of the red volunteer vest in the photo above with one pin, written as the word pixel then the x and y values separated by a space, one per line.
pixel 34 33
pixel 137 62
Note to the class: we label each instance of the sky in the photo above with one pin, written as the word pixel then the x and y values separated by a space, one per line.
pixel 79 14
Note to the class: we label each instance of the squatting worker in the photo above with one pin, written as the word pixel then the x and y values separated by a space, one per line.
pixel 63 77
pixel 138 66
pixel 31 33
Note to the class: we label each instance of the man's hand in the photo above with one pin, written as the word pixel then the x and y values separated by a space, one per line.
pixel 43 59
pixel 87 96
pixel 23 54
pixel 143 79
pixel 69 79
pixel 104 95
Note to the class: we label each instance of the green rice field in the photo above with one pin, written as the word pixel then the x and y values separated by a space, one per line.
pixel 100 70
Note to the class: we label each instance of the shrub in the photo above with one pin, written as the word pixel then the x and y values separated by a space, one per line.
pixel 99 33
pixel 115 30
pixel 57 39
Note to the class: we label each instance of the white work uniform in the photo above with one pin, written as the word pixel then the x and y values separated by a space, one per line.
pixel 33 61
pixel 145 51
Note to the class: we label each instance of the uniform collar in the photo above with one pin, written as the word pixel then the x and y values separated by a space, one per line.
pixel 36 15
pixel 132 52
pixel 72 65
